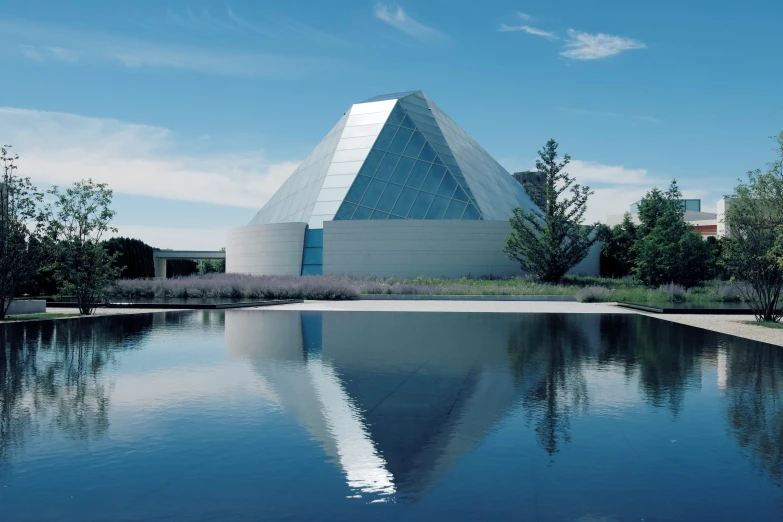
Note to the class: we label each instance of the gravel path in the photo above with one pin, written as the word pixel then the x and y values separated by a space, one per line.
pixel 73 313
pixel 550 307
pixel 727 324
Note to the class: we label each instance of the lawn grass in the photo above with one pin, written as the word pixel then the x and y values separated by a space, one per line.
pixel 37 317
pixel 766 324
pixel 621 290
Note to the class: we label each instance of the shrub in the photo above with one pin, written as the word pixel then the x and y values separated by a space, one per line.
pixel 729 292
pixel 237 286
pixel 673 292
pixel 593 294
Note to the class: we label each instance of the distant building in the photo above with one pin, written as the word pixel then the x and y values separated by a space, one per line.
pixel 706 223
pixel 530 176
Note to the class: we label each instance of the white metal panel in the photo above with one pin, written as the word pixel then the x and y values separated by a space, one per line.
pixel 362 142
pixel 340 180
pixel 367 119
pixel 347 167
pixel 341 156
pixel 363 130
pixel 333 194
pixel 379 106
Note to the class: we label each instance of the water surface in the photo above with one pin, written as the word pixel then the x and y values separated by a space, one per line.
pixel 266 415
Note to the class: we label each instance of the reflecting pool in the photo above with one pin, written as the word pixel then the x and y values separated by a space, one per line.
pixel 267 415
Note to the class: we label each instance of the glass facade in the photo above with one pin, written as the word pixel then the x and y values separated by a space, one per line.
pixel 313 254
pixel 405 177
pixel 693 205
pixel 395 156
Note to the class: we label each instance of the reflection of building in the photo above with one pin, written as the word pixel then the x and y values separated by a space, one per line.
pixel 394 399
pixel 396 188
pixel 706 223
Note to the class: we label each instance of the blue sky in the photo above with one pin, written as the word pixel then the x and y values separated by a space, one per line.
pixel 195 112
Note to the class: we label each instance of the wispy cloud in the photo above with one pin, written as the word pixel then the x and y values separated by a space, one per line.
pixel 524 16
pixel 44 43
pixel 49 53
pixel 587 112
pixel 401 21
pixel 231 21
pixel 615 187
pixel 529 30
pixel 60 148
pixel 586 46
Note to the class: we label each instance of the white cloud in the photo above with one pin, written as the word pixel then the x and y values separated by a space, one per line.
pixel 529 30
pixel 587 172
pixel 175 238
pixel 524 16
pixel 615 186
pixel 59 148
pixel 400 20
pixel 44 43
pixel 586 46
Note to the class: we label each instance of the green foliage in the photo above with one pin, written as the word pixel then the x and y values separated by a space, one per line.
pixel 617 259
pixel 133 257
pixel 21 224
pixel 668 250
pixel 753 250
pixel 766 324
pixel 551 239
pixel 80 218
pixel 212 266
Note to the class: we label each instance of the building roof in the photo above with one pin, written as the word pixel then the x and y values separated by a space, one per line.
pixel 395 156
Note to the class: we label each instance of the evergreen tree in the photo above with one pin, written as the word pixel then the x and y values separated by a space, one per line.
pixel 617 258
pixel 133 257
pixel 551 239
pixel 669 250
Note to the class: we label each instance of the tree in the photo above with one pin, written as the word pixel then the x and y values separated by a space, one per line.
pixel 617 259
pixel 753 249
pixel 212 266
pixel 21 223
pixel 133 257
pixel 80 219
pixel 669 250
pixel 551 239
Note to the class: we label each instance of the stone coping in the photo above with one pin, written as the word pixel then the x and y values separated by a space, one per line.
pixel 420 297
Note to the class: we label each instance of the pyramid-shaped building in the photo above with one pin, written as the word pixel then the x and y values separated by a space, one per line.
pixel 396 188
pixel 397 156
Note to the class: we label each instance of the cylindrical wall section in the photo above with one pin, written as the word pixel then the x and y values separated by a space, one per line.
pixel 274 249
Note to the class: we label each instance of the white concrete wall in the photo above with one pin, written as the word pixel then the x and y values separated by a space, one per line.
pixel 690 216
pixel 411 248
pixel 274 249
pixel 723 218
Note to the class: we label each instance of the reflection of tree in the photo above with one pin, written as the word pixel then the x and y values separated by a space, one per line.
pixel 754 402
pixel 666 355
pixel 547 355
pixel 50 376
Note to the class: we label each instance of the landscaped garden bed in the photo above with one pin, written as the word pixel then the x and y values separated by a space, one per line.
pixel 340 287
